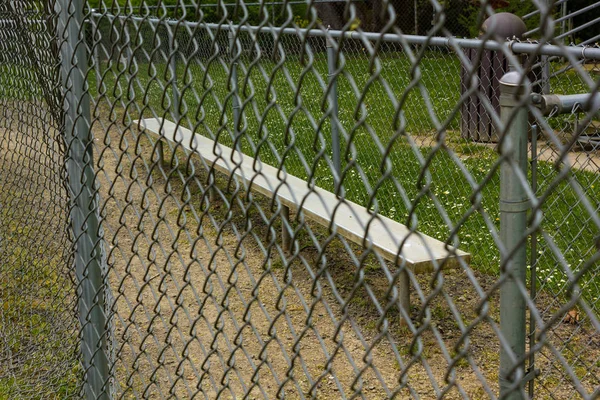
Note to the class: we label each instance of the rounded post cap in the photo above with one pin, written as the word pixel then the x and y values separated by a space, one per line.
pixel 504 25
pixel 512 78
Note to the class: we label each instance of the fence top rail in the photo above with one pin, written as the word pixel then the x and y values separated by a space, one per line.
pixel 264 4
pixel 579 52
pixel 535 12
pixel 15 22
pixel 566 17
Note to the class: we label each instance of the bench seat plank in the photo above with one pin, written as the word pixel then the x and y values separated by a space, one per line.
pixel 349 219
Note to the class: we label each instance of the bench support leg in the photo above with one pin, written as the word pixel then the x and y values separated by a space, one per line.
pixel 286 238
pixel 161 152
pixel 212 192
pixel 404 291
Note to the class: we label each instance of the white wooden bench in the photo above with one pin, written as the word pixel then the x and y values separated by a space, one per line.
pixel 350 220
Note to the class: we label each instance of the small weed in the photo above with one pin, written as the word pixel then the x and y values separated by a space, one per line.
pixel 462 362
pixel 277 264
pixel 439 313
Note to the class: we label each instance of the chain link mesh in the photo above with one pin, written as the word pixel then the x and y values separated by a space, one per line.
pixel 222 201
pixel 38 335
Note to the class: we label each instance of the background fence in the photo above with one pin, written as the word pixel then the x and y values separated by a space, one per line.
pixel 139 261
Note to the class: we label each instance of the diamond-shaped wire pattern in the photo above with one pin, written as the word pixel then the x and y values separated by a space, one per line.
pixel 232 200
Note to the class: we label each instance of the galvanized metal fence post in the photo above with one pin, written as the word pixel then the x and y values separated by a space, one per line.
pixel 545 60
pixel 234 84
pixel 563 14
pixel 173 68
pixel 533 259
pixel 513 224
pixel 97 68
pixel 84 213
pixel 333 100
pixel 127 56
pixel 234 98
pixel 175 98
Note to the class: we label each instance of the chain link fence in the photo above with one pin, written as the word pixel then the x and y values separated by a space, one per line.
pixel 38 335
pixel 246 201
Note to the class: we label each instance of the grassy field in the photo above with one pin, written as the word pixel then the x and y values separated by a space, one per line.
pixel 38 328
pixel 282 110
pixel 386 153
pixel 39 359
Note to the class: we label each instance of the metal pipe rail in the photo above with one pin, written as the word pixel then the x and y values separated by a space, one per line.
pixel 590 53
pixel 566 17
pixel 531 14
pixel 264 4
pixel 579 28
pixel 565 104
pixel 16 23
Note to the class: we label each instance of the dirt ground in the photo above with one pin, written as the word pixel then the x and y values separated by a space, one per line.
pixel 206 305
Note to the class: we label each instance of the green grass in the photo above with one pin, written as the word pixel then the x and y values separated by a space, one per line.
pixel 18 83
pixel 39 347
pixel 282 128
